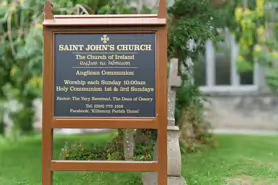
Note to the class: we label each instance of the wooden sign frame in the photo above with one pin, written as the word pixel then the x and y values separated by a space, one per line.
pixel 105 24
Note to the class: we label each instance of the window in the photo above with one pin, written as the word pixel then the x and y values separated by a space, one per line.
pixel 216 71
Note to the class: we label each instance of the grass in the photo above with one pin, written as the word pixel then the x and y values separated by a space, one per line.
pixel 238 158
pixel 20 164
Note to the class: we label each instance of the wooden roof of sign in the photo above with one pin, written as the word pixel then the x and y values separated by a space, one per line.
pixel 119 20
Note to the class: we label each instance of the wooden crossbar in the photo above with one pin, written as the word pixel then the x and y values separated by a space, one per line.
pixel 106 123
pixel 104 166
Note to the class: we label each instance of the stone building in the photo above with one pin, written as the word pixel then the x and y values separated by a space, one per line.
pixel 237 101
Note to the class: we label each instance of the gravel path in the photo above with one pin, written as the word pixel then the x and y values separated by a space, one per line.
pixel 245 131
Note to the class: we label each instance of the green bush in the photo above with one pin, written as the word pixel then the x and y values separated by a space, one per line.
pixel 83 152
pixel 113 150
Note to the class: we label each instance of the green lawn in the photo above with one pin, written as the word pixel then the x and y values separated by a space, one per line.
pixel 247 158
pixel 238 158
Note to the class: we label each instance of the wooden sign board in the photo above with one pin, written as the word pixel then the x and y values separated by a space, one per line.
pixel 105 71
pixel 109 75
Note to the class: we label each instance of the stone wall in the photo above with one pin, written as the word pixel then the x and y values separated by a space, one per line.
pixel 243 112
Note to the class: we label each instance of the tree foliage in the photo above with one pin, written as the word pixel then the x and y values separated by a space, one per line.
pixel 21 48
pixel 254 23
pixel 191 20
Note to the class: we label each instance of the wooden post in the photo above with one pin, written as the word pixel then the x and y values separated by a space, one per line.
pixel 48 10
pixel 162 131
pixel 47 139
pixel 162 9
pixel 69 41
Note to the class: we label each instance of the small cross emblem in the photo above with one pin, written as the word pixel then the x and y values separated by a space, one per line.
pixel 104 39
